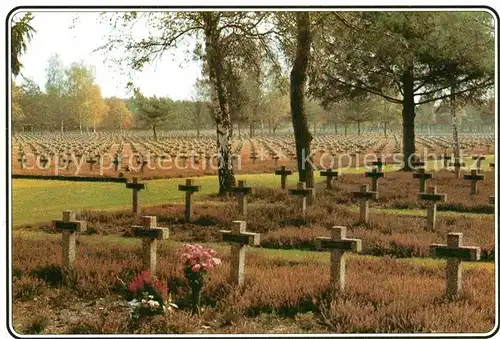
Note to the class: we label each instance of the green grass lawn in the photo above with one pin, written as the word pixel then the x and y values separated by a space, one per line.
pixel 485 164
pixel 42 200
pixel 36 201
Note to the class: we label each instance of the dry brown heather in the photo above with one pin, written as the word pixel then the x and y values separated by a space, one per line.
pixel 273 214
pixel 280 296
pixel 400 190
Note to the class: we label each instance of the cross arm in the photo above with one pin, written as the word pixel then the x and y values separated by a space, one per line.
pixel 366 195
pixel 433 197
pixel 474 177
pixel 73 226
pixel 138 186
pixel 185 188
pixel 374 174
pixel 158 233
pixel 422 175
pixel 469 253
pixel 342 244
pixel 245 238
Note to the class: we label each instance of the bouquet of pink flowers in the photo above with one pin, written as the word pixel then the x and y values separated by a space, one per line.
pixel 197 261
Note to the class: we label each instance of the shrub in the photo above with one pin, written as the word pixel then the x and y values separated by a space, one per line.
pixel 37 324
pixel 27 288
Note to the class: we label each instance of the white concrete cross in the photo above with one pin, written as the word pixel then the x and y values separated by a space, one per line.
pixel 338 244
pixel 69 227
pixel 454 253
pixel 239 239
pixel 189 188
pixel 150 234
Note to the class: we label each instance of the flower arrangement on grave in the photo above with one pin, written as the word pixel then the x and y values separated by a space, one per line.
pixel 197 262
pixel 150 296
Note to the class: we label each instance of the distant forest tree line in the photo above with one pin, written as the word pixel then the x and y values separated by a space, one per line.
pixel 72 101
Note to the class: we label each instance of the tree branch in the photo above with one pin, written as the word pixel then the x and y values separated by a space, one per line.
pixel 368 89
pixel 485 84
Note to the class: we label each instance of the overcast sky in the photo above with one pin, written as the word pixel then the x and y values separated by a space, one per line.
pixel 54 35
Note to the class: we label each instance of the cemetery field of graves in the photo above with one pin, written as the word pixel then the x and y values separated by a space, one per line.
pixel 129 154
pixel 242 170
pixel 369 250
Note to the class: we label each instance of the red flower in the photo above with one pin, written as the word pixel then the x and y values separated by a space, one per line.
pixel 144 283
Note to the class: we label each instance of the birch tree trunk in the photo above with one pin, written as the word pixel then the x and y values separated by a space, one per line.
pixel 222 117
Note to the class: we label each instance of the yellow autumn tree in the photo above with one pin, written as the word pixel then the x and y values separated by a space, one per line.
pixel 97 106
pixel 118 115
pixel 87 106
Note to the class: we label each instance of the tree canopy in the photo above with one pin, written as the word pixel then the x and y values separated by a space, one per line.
pixel 420 55
pixel 21 35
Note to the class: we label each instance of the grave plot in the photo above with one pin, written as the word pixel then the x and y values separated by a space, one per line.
pixel 398 253
pixel 470 144
pixel 399 190
pixel 275 286
pixel 131 154
pixel 282 225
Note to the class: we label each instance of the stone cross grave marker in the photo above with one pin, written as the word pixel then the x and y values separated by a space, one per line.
pixel 116 162
pixel 302 192
pixel 364 195
pixel 423 177
pixel 329 174
pixel 457 164
pixel 184 158
pixel 474 177
pixel 417 163
pixel 135 186
pixel 239 238
pixel 338 244
pixel 478 160
pixel 69 227
pixel 379 163
pixel 374 175
pixel 189 188
pixel 446 159
pixel 454 253
pixel 242 191
pixel 432 198
pixel 91 163
pixel 143 163
pixel 283 173
pixel 150 234
pixel 22 161
pixel 44 161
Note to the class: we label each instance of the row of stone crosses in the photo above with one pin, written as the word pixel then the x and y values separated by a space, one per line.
pixel 338 243
pixel 305 195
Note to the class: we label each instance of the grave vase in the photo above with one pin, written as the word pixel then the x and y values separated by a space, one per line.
pixel 196 286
